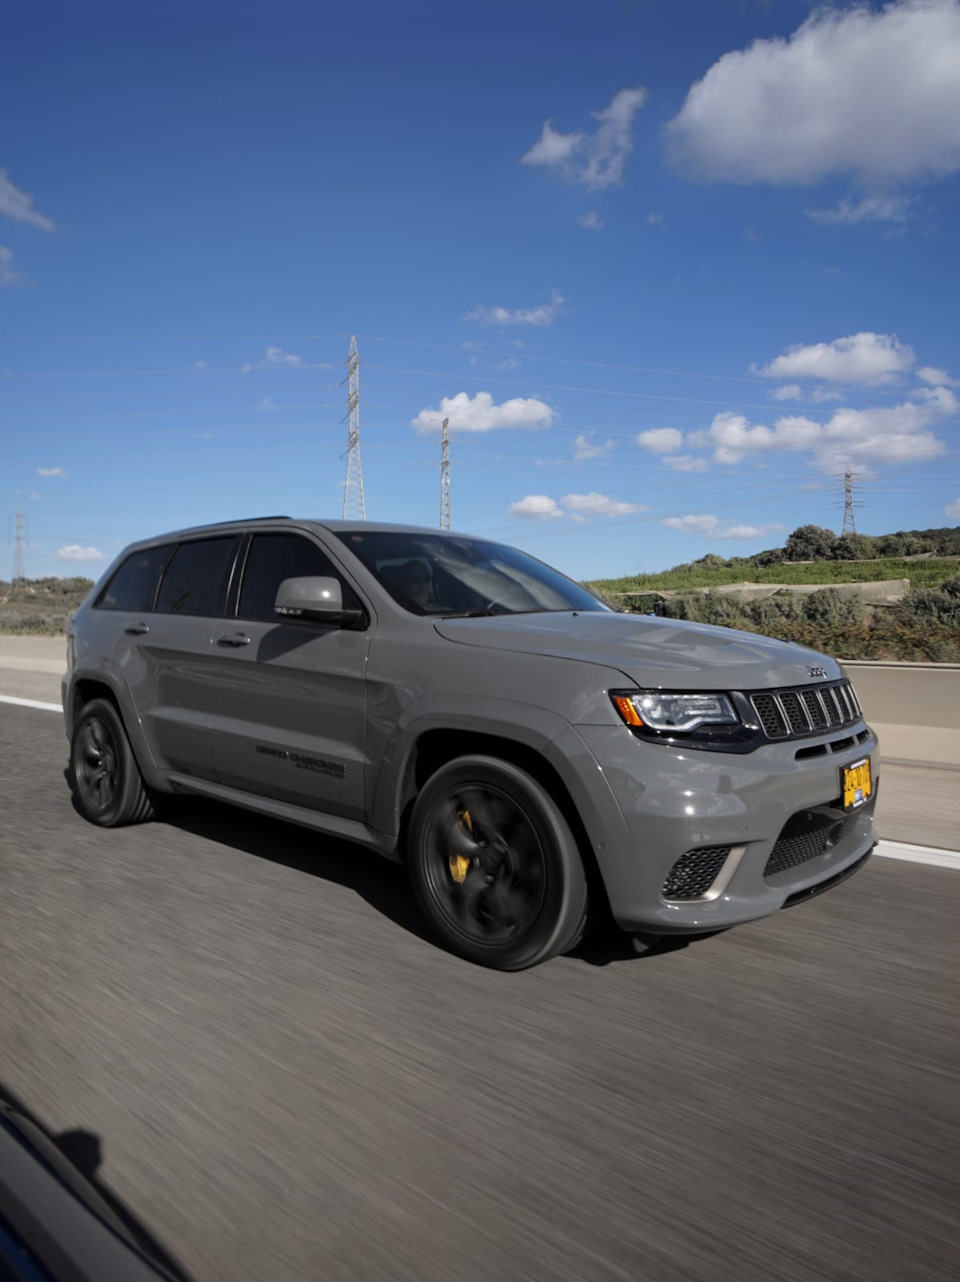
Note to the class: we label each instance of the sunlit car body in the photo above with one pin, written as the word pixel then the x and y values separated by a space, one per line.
pixel 456 704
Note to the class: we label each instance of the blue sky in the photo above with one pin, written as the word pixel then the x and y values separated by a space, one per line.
pixel 669 267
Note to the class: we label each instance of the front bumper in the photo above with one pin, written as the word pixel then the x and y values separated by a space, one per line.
pixel 673 801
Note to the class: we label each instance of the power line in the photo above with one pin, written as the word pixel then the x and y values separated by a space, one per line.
pixel 479 348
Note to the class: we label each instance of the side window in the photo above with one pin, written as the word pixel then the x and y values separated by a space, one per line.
pixel 195 579
pixel 134 585
pixel 275 557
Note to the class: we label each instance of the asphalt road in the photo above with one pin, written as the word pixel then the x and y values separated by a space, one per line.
pixel 291 1081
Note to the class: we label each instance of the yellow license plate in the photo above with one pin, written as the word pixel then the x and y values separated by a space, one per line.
pixel 856 784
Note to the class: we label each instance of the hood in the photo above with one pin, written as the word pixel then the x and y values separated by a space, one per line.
pixel 652 652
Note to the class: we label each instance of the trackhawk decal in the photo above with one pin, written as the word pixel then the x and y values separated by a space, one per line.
pixel 303 762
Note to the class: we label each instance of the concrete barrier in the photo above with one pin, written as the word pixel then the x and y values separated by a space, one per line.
pixel 914 708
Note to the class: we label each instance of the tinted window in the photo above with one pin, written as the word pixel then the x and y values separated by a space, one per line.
pixel 134 585
pixel 448 574
pixel 195 580
pixel 275 557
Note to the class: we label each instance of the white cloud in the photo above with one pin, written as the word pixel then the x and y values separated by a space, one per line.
pixel 751 235
pixel 50 471
pixel 878 434
pixel 655 219
pixel 33 495
pixel 661 440
pixel 592 221
pixel 874 94
pixel 16 204
pixel 953 509
pixel 537 507
pixel 937 377
pixel 596 160
pixel 199 365
pixel 266 404
pixel 714 528
pixel 866 358
pixel 479 414
pixel 686 463
pixel 510 363
pixel 74 552
pixel 277 356
pixel 584 447
pixel 598 505
pixel 545 314
pixel 939 397
pixel 891 209
pixel 578 507
pixel 794 392
pixel 10 278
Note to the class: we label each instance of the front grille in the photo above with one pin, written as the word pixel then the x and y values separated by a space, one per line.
pixel 806 836
pixel 804 710
pixel 695 872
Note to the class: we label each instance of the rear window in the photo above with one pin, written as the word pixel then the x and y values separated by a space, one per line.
pixel 195 581
pixel 134 586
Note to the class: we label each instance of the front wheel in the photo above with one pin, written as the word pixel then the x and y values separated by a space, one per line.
pixel 494 865
pixel 107 783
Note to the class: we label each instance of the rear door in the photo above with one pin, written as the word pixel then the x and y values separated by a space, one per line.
pixel 164 653
pixel 291 695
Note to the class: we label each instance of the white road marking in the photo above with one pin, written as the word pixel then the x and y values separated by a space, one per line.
pixel 919 854
pixel 887 849
pixel 31 703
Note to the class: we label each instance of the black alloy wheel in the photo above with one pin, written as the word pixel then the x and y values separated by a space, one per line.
pixel 107 783
pixel 495 866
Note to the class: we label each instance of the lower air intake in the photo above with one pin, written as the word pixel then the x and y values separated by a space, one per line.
pixel 805 836
pixel 695 872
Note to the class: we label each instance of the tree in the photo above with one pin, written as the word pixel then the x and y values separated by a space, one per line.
pixel 811 543
pixel 854 547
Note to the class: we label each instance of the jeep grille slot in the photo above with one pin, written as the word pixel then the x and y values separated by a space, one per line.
pixel 805 710
pixel 695 872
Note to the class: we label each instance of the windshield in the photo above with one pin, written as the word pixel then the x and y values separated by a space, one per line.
pixel 446 574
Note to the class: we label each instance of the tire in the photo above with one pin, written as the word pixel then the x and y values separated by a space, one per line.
pixel 107 784
pixel 494 865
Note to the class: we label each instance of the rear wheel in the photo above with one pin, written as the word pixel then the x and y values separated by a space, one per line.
pixel 495 866
pixel 107 783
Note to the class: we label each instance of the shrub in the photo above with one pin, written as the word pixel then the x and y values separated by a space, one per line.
pixel 829 606
pixel 940 604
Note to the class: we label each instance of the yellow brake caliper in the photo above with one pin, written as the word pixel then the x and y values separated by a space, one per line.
pixel 460 864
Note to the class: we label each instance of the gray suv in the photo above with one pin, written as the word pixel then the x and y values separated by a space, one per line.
pixel 458 705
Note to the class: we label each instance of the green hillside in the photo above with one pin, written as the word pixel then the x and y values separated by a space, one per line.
pixel 713 572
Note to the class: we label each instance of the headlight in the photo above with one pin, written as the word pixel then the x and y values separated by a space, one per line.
pixel 688 718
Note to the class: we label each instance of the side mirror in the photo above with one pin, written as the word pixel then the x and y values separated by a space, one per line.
pixel 318 598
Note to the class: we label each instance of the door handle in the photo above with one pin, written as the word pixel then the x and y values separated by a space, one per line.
pixel 137 629
pixel 238 640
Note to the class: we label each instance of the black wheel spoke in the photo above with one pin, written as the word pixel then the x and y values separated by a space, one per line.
pixel 486 863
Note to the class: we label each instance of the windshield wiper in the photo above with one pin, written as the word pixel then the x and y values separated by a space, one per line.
pixel 473 614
